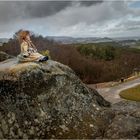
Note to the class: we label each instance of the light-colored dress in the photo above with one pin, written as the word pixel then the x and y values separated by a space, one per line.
pixel 28 53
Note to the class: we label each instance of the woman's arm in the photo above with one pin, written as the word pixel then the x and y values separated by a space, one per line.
pixel 24 49
pixel 32 45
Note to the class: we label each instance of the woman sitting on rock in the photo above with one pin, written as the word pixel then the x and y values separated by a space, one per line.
pixel 28 49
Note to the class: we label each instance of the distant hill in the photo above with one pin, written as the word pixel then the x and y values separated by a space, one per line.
pixel 70 40
pixel 126 38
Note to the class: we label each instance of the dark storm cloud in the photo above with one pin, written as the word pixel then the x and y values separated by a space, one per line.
pixel 48 8
pixel 73 18
pixel 32 9
pixel 89 3
pixel 45 8
pixel 8 11
pixel 15 14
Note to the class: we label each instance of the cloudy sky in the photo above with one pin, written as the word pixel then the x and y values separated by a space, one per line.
pixel 71 18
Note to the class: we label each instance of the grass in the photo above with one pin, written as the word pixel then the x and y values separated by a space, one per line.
pixel 131 93
pixel 46 53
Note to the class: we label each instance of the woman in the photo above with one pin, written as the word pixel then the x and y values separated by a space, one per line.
pixel 28 49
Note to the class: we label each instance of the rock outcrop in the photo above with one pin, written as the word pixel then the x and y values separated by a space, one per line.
pixel 122 120
pixel 4 56
pixel 46 100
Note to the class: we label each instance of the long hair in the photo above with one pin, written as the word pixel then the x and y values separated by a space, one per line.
pixel 22 35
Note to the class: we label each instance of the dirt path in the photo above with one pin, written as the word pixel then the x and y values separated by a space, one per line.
pixel 112 94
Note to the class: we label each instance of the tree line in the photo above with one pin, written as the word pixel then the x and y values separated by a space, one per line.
pixel 92 62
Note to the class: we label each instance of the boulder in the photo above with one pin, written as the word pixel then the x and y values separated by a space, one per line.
pixel 120 121
pixel 126 121
pixel 4 56
pixel 46 100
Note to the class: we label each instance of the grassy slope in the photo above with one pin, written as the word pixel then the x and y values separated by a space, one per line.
pixel 131 93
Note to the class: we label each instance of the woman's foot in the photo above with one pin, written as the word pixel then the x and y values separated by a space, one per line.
pixel 45 58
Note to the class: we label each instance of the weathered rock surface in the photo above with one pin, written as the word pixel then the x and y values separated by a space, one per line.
pixel 122 120
pixel 46 100
pixel 4 56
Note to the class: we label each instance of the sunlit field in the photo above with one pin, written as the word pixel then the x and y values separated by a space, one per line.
pixel 131 93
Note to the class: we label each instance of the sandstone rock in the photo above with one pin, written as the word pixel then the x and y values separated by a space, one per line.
pixel 123 120
pixel 4 56
pixel 46 100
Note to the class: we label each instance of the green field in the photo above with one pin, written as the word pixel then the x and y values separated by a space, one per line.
pixel 131 93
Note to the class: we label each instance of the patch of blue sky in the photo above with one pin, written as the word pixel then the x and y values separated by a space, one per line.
pixel 134 4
